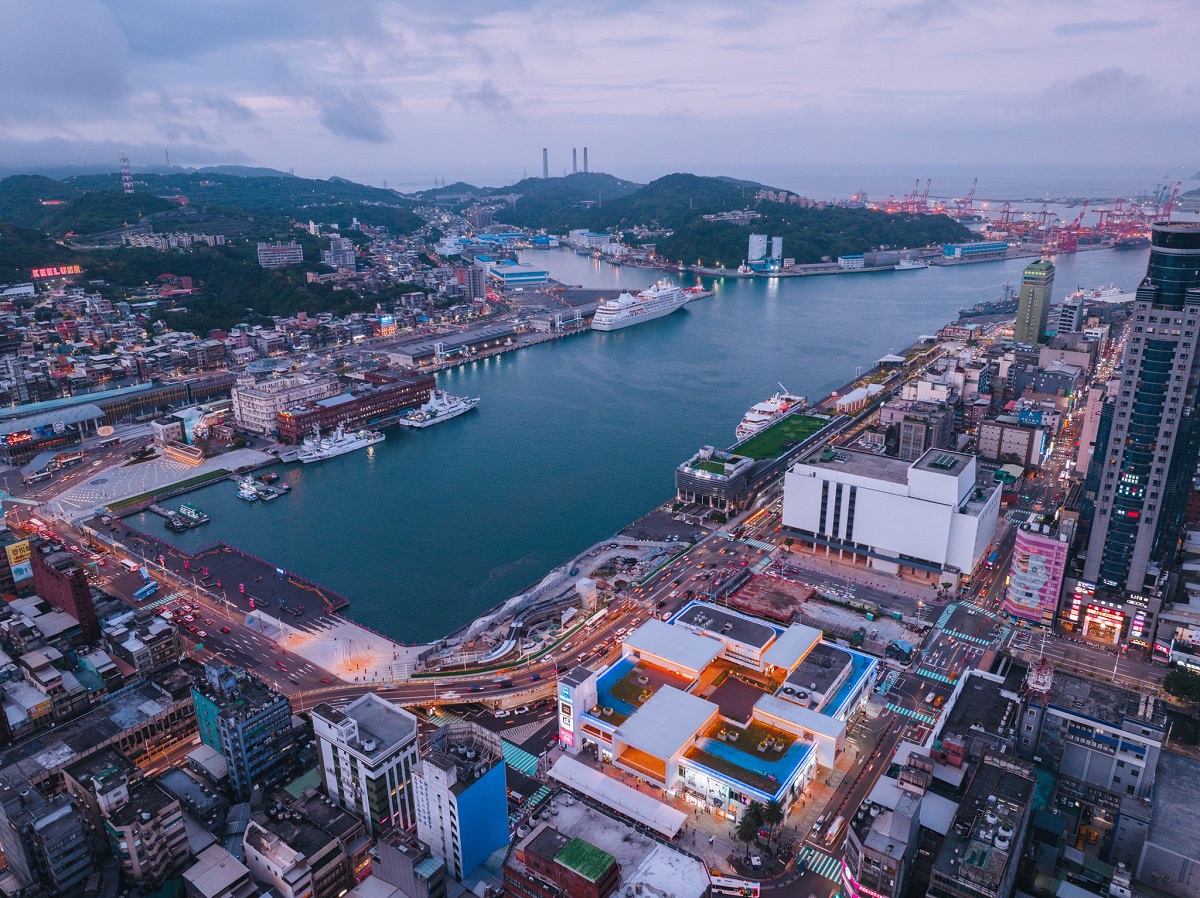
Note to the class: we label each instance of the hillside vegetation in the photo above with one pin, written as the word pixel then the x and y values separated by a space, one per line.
pixel 808 234
pixel 94 203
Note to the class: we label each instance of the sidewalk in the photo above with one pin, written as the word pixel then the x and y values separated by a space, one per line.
pixel 858 574
pixel 353 653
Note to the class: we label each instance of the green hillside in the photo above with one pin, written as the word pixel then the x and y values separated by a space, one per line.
pixel 24 248
pixel 561 203
pixel 808 234
pixel 97 202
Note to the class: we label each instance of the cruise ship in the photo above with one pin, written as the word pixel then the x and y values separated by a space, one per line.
pixel 661 299
pixel 1111 293
pixel 766 413
pixel 441 407
pixel 318 448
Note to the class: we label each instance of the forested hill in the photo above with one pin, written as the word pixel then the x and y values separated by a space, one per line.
pixel 808 234
pixel 91 203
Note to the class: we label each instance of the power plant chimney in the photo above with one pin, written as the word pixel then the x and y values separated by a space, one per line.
pixel 585 168
pixel 574 167
pixel 545 164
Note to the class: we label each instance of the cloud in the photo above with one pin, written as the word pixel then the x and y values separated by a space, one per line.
pixel 1100 26
pixel 354 118
pixel 484 98
pixel 226 108
pixel 1106 89
pixel 60 61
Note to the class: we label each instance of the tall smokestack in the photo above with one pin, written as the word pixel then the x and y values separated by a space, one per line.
pixel 545 164
pixel 585 168
pixel 574 167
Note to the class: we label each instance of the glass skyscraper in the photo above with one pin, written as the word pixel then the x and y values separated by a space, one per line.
pixel 1150 452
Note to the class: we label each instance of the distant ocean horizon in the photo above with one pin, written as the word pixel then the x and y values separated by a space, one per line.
pixel 997 183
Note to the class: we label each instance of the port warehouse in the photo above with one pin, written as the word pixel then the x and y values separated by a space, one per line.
pixel 980 248
pixel 37 427
pixel 730 481
pixel 414 353
pixel 381 396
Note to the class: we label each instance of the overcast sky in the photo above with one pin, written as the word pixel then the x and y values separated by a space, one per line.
pixel 410 91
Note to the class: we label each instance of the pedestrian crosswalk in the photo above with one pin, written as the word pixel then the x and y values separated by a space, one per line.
pixel 888 682
pixel 759 544
pixel 820 863
pixel 915 715
pixel 963 636
pixel 165 600
pixel 934 675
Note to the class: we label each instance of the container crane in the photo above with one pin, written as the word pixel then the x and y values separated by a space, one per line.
pixel 966 205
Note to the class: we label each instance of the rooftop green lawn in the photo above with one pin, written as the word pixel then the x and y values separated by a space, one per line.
pixel 585 859
pixel 712 467
pixel 771 442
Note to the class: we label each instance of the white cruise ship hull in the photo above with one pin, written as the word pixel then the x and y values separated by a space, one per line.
pixel 636 317
pixel 427 418
pixel 333 451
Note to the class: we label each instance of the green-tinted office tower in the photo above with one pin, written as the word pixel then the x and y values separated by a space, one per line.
pixel 1033 308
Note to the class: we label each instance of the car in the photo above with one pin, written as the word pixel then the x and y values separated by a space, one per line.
pixel 524 709
pixel 191 628
pixel 226 630
pixel 505 683
pixel 501 713
pixel 189 617
pixel 280 665
pixel 201 633
pixel 476 688
pixel 209 621
pixel 101 562
pixel 535 677
pixel 324 679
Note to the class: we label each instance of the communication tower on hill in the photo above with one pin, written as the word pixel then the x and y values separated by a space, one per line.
pixel 126 175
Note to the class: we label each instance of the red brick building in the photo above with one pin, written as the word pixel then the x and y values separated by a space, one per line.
pixel 60 581
pixel 548 864
pixel 380 396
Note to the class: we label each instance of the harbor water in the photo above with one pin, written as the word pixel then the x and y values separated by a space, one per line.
pixel 575 438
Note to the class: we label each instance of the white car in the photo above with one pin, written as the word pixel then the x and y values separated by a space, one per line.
pixel 501 713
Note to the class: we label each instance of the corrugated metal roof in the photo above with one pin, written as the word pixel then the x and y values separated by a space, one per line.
pixel 71 415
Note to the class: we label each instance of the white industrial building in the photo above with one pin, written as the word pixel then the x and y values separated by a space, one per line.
pixel 928 518
pixel 367 752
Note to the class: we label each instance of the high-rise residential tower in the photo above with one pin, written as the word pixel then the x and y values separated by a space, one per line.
pixel 1033 308
pixel 1150 453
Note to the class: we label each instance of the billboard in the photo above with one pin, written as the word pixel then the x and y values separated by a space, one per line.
pixel 1036 577
pixel 758 248
pixel 55 272
pixel 20 561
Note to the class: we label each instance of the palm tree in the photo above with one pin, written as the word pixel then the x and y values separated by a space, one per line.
pixel 749 824
pixel 772 817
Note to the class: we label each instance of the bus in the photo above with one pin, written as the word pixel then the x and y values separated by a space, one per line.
pixel 132 566
pixel 146 591
pixel 741 888
pixel 111 441
pixel 38 478
pixel 993 558
pixel 68 459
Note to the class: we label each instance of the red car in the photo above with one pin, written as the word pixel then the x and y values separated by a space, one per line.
pixel 226 630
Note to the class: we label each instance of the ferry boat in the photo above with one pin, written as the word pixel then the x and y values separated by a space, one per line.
pixel 193 514
pixel 318 448
pixel 764 414
pixel 661 299
pixel 911 264
pixel 441 407
pixel 247 489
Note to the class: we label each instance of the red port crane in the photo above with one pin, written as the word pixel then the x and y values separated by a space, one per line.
pixel 1065 238
pixel 1165 209
pixel 966 206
